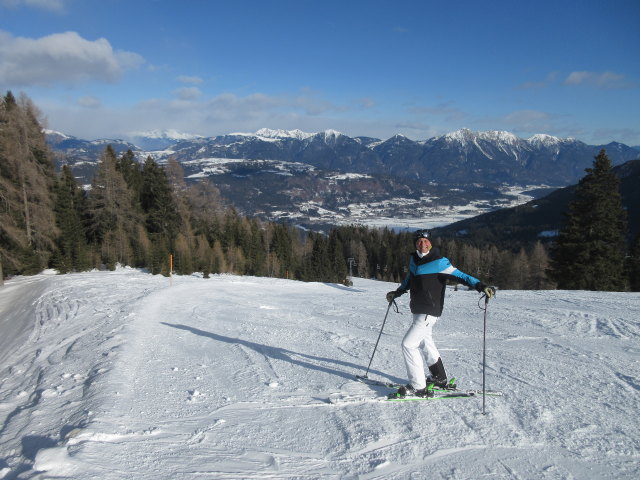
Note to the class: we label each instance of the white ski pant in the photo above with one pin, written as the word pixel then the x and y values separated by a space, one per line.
pixel 417 342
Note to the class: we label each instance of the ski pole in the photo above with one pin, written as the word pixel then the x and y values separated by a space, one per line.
pixel 484 354
pixel 379 335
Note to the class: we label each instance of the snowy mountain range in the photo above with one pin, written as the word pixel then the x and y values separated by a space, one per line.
pixel 459 157
pixel 331 177
pixel 159 139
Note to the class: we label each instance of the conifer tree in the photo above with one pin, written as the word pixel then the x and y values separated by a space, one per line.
pixel 337 261
pixel 131 171
pixel 282 247
pixel 318 264
pixel 158 203
pixel 112 219
pixel 359 254
pixel 634 265
pixel 70 209
pixel 254 249
pixel 589 254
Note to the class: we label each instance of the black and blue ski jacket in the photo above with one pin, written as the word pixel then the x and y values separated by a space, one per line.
pixel 427 280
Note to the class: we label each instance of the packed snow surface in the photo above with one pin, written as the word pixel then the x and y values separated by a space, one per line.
pixel 127 375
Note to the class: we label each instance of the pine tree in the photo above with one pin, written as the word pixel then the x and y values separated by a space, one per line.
pixel 282 247
pixel 130 169
pixel 158 203
pixel 634 266
pixel 337 260
pixel 70 209
pixel 589 254
pixel 112 218
pixel 318 264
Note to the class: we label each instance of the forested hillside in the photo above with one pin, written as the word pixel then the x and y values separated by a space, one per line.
pixel 146 216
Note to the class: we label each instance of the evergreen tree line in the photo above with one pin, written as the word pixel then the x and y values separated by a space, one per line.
pixel 139 214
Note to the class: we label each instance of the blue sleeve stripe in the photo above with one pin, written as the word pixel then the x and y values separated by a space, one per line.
pixel 443 266
pixel 437 266
pixel 468 279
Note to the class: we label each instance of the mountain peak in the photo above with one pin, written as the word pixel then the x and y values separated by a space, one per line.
pixel 169 134
pixel 272 134
pixel 461 136
pixel 499 136
pixel 465 135
pixel 541 139
pixel 54 133
pixel 331 134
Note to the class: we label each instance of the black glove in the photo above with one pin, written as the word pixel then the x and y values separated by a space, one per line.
pixel 488 291
pixel 391 296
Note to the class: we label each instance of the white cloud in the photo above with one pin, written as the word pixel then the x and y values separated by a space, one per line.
pixel 605 80
pixel 547 81
pixel 188 93
pixel 446 111
pixel 529 121
pixel 194 80
pixel 190 112
pixel 52 5
pixel 89 102
pixel 65 58
pixel 366 102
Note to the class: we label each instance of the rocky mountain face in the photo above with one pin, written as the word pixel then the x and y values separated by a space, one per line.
pixel 462 157
pixel 329 177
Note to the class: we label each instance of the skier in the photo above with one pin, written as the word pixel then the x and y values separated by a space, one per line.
pixel 426 281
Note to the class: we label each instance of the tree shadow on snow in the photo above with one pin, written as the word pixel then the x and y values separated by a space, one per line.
pixel 303 360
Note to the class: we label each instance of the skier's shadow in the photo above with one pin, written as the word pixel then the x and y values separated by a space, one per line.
pixel 304 360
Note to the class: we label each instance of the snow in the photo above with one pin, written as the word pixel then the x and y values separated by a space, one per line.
pixel 267 133
pixel 331 134
pixel 171 134
pixel 47 131
pixel 543 140
pixel 114 375
pixel 349 176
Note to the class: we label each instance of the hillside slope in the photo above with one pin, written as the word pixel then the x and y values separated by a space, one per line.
pixel 539 218
pixel 129 375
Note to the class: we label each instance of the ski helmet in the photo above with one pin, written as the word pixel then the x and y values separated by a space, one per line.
pixel 421 234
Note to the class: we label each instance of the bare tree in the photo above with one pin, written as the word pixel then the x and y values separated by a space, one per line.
pixel 26 180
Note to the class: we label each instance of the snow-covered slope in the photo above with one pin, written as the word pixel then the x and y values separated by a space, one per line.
pixel 125 375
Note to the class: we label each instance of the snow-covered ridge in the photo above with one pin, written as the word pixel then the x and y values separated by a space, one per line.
pixel 465 135
pixel 271 134
pixel 170 134
pixel 539 140
pixel 543 140
pixel 46 131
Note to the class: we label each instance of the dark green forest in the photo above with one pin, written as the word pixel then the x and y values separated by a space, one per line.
pixel 143 215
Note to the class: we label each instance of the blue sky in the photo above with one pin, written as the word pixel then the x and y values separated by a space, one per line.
pixel 107 68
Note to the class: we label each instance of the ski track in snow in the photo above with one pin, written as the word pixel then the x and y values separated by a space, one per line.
pixel 119 375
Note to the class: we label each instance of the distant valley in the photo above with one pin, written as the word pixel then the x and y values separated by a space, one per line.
pixel 327 178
